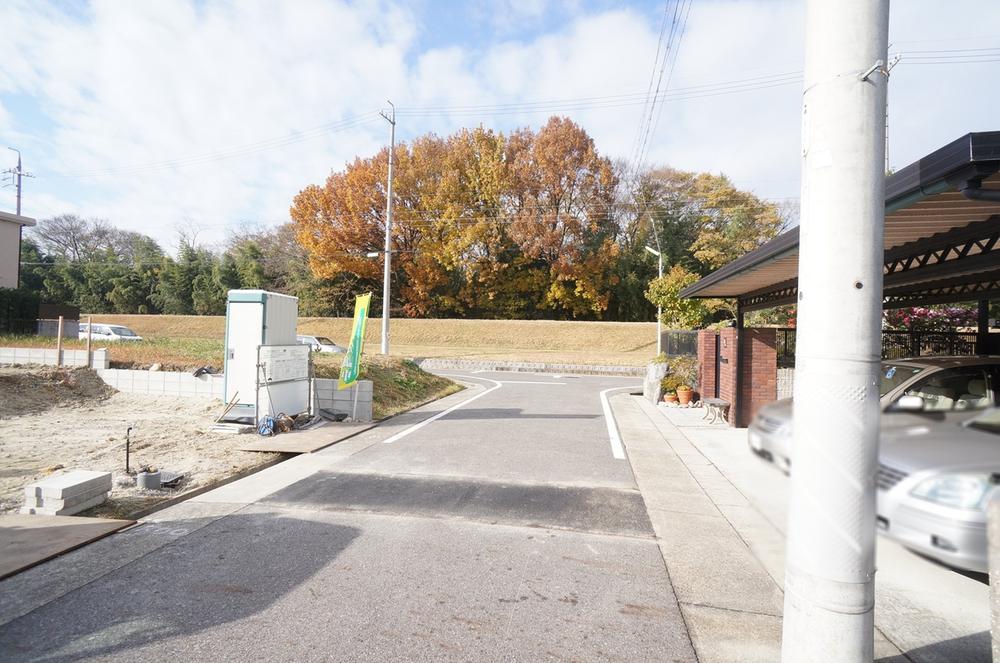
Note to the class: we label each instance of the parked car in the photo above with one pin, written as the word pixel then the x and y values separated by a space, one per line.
pixel 320 344
pixel 934 484
pixel 108 333
pixel 914 392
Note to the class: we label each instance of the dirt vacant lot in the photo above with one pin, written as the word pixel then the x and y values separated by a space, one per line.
pixel 54 419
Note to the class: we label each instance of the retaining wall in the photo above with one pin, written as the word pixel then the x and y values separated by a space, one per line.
pixel 328 397
pixel 50 357
pixel 163 383
pixel 443 364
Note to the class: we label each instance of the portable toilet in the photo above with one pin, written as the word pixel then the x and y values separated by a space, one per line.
pixel 259 321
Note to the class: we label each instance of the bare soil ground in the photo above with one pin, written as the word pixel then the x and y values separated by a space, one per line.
pixel 57 419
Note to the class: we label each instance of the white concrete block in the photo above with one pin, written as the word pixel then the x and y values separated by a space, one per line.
pixel 62 486
pixel 66 511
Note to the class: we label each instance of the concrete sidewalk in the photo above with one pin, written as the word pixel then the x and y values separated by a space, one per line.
pixel 719 513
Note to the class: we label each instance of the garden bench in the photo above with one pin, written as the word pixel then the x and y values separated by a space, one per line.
pixel 716 408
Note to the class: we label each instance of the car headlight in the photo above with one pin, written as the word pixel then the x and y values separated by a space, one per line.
pixel 960 491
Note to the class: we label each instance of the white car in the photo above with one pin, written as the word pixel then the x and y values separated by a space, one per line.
pixel 99 332
pixel 934 484
pixel 914 392
pixel 320 344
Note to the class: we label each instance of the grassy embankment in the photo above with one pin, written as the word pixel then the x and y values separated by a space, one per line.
pixel 616 343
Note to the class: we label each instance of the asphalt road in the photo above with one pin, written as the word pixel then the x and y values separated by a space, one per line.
pixel 496 525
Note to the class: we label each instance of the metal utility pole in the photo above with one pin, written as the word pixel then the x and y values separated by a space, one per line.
pixel 659 309
pixel 391 119
pixel 16 175
pixel 658 252
pixel 830 556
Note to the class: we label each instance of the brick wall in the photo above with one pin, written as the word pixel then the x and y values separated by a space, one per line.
pixel 759 383
pixel 727 371
pixel 706 363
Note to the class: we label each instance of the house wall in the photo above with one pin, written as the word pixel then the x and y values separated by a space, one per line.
pixel 9 252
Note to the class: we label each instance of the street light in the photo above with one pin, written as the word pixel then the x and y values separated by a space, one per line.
pixel 659 311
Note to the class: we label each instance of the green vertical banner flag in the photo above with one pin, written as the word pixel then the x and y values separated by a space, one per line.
pixel 352 362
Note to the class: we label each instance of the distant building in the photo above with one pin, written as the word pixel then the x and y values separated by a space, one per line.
pixel 10 247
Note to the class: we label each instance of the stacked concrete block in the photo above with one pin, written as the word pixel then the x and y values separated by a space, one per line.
pixel 66 494
pixel 164 383
pixel 342 401
pixel 50 357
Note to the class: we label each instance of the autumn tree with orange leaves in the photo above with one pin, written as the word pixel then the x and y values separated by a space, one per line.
pixel 530 224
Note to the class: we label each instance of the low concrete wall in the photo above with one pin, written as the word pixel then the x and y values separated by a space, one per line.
pixel 50 357
pixel 163 383
pixel 443 364
pixel 328 397
pixel 786 382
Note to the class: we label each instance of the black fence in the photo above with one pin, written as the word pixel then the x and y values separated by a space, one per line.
pixel 676 342
pixel 896 344
pixel 18 311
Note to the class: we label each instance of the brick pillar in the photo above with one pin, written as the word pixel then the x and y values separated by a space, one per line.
pixel 759 377
pixel 727 370
pixel 706 363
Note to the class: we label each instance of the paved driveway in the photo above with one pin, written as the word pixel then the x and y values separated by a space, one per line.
pixel 494 525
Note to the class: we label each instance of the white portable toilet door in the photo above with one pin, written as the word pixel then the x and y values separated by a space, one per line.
pixel 246 321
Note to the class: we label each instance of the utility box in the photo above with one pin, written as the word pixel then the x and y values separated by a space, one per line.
pixel 266 370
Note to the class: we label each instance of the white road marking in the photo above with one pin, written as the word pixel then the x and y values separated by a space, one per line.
pixel 562 384
pixel 617 450
pixel 415 427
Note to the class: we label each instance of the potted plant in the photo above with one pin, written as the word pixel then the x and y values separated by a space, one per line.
pixel 684 393
pixel 669 385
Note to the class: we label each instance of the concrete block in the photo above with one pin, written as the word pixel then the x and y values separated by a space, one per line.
pixel 67 511
pixel 69 484
pixel 54 504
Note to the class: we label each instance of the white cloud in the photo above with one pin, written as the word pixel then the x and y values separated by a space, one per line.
pixel 126 85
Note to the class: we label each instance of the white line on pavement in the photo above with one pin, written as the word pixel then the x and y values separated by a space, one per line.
pixel 617 450
pixel 562 384
pixel 416 427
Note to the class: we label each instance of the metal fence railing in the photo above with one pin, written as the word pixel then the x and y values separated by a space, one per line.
pixel 896 344
pixel 899 344
pixel 677 342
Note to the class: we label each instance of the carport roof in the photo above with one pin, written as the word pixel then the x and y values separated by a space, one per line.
pixel 940 245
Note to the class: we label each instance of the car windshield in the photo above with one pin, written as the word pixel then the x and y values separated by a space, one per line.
pixel 323 340
pixel 894 375
pixel 123 331
pixel 988 421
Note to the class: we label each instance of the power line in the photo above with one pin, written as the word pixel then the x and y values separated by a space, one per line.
pixel 228 153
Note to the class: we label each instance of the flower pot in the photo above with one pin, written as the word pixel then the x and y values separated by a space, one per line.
pixel 669 398
pixel 684 397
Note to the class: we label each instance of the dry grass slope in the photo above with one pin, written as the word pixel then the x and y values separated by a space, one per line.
pixel 620 343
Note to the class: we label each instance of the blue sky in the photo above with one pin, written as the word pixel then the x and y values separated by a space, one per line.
pixel 212 115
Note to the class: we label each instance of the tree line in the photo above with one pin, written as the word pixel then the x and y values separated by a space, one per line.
pixel 528 224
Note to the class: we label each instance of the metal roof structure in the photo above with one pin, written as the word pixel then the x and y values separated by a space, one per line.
pixel 942 237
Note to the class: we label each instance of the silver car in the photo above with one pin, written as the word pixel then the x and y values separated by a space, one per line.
pixel 934 483
pixel 320 344
pixel 915 392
